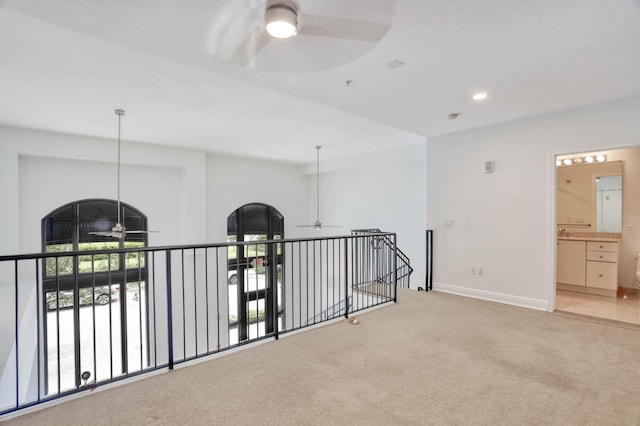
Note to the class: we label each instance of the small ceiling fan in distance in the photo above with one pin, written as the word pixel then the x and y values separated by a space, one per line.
pixel 317 224
pixel 118 231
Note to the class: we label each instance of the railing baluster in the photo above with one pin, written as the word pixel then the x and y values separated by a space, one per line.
pixel 38 305
pixel 140 339
pixel 195 302
pixel 93 316
pixel 169 311
pixel 346 278
pixel 16 331
pixel 155 322
pixel 206 297
pixel 110 282
pixel 58 321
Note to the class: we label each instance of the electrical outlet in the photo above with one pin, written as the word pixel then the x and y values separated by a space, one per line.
pixel 480 270
pixel 474 270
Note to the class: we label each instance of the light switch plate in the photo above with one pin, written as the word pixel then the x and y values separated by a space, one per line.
pixel 489 166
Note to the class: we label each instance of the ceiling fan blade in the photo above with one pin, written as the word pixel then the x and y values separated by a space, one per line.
pixel 108 234
pixel 237 34
pixel 252 45
pixel 141 232
pixel 319 227
pixel 102 233
pixel 325 26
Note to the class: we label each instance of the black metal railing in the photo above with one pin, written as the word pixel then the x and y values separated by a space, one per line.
pixel 69 322
pixel 377 240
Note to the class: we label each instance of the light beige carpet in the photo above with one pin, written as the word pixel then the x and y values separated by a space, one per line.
pixel 432 358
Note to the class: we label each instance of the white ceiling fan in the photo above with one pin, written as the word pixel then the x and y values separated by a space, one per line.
pixel 118 231
pixel 317 224
pixel 286 36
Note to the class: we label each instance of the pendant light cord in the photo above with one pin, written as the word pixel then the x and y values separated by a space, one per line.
pixel 318 183
pixel 119 113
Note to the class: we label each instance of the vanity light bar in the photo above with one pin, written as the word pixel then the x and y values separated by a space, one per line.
pixel 582 160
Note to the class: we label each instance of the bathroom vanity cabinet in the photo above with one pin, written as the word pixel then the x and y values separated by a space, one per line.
pixel 588 266
pixel 572 256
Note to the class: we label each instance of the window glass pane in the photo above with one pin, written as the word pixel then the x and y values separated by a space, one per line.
pixel 95 216
pixel 58 227
pixel 133 221
pixel 100 263
pixel 254 218
pixel 63 265
pixel 134 259
pixel 232 252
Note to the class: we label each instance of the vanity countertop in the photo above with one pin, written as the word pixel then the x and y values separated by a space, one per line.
pixel 579 238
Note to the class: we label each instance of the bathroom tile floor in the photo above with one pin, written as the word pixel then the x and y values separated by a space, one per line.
pixel 625 307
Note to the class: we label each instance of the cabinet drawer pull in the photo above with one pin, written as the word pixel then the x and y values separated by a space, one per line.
pixel 601 256
pixel 600 275
pixel 601 246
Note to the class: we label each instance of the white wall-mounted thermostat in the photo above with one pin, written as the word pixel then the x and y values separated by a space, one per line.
pixel 489 166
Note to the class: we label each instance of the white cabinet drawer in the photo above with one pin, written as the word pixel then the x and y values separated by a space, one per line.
pixel 602 256
pixel 600 246
pixel 602 275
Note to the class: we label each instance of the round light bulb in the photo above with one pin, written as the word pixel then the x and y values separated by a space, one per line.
pixel 281 22
pixel 566 161
pixel 480 96
pixel 588 159
pixel 601 158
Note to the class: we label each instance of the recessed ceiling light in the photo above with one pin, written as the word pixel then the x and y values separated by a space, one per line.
pixel 480 96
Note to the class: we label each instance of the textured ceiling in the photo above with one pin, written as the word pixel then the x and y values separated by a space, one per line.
pixel 67 64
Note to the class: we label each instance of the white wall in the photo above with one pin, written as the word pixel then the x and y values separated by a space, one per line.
pixel 234 182
pixel 382 190
pixel 42 171
pixel 505 221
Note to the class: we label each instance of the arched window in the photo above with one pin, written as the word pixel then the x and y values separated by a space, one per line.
pixel 80 335
pixel 254 269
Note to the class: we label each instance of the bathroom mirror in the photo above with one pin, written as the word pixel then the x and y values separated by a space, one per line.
pixel 609 203
pixel 590 197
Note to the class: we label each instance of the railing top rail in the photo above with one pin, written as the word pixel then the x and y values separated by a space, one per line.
pixel 42 255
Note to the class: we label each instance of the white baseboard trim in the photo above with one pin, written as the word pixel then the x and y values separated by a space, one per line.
pixel 524 302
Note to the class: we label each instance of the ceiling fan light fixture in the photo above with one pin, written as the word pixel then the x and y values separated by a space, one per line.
pixel 281 21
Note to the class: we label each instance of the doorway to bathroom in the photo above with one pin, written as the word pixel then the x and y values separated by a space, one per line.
pixel 596 264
